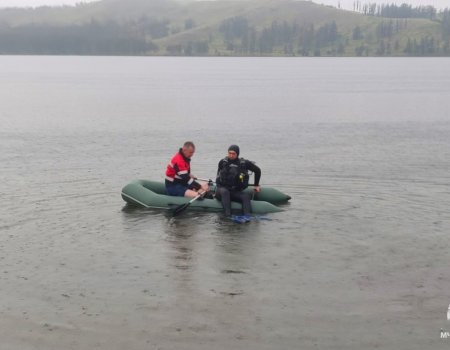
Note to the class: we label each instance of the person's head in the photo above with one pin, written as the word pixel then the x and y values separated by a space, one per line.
pixel 188 149
pixel 233 152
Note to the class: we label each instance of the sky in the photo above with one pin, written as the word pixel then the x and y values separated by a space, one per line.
pixel 347 4
pixel 35 3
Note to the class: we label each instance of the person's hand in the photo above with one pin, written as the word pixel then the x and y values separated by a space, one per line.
pixel 205 186
pixel 257 189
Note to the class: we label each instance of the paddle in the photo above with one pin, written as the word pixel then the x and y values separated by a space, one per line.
pixel 177 210
pixel 209 181
pixel 213 182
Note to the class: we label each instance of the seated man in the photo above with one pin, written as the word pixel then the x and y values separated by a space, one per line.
pixel 179 180
pixel 232 179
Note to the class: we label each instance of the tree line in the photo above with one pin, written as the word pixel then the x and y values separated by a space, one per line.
pixel 287 38
pixel 308 40
pixel 94 37
pixel 405 11
pixel 445 23
pixel 233 36
pixel 395 11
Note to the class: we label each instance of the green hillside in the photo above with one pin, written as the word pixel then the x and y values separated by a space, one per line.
pixel 221 28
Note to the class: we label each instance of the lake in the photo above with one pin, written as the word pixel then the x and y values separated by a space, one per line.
pixel 357 260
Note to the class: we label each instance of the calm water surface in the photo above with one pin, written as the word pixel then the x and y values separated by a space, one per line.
pixel 358 259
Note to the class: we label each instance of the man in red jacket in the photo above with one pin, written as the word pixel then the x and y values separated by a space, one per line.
pixel 179 180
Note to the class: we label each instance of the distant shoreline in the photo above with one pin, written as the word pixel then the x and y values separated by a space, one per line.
pixel 264 28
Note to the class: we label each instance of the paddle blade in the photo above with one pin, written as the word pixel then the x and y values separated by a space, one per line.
pixel 180 208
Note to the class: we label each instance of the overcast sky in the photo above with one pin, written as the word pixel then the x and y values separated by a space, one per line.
pixel 34 3
pixel 348 4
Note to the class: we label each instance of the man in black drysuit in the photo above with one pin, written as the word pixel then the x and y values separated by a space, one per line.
pixel 232 179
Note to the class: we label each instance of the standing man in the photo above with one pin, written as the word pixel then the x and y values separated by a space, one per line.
pixel 179 180
pixel 232 179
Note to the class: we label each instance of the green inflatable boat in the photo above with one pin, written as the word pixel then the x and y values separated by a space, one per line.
pixel 152 194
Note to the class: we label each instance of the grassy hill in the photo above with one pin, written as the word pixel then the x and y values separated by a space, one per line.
pixel 233 28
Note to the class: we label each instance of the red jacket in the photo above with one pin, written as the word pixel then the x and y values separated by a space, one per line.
pixel 179 170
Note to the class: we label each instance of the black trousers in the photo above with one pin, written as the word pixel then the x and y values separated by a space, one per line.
pixel 226 196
